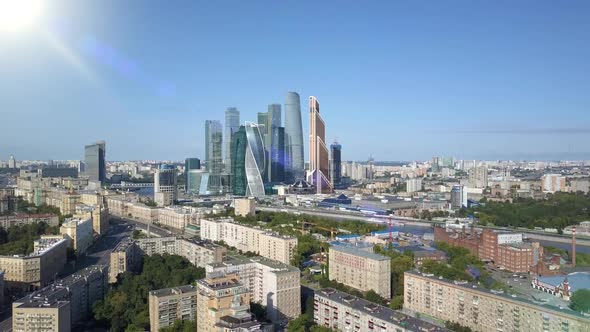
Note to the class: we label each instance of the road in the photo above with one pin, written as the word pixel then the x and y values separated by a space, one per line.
pixel 97 254
pixel 154 230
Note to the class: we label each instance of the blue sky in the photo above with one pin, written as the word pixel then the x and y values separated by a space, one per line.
pixel 399 80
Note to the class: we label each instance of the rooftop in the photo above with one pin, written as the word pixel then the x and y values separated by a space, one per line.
pixel 173 291
pixel 277 266
pixel 71 222
pixel 358 252
pixel 123 245
pixel 577 280
pixel 396 317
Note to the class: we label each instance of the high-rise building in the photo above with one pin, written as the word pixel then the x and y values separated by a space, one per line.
pixel 294 162
pixel 11 162
pixel 213 149
pixel 249 161
pixel 171 304
pixel 336 163
pixel 95 163
pixel 413 185
pixel 319 156
pixel 458 197
pixel 190 164
pixel 553 182
pixel 478 177
pixel 165 185
pixel 232 124
pixel 263 124
pixel 275 145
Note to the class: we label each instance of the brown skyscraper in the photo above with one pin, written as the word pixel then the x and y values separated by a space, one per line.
pixel 319 155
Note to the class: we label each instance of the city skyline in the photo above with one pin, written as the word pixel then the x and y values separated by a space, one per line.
pixel 421 75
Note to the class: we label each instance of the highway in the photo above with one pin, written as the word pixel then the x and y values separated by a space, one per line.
pixel 154 230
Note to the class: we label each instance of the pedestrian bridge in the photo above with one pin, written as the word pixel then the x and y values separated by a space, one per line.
pixel 129 185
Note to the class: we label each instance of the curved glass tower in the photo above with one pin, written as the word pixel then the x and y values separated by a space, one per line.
pixel 294 162
pixel 248 161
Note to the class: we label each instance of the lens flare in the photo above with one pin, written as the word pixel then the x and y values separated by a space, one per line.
pixel 18 14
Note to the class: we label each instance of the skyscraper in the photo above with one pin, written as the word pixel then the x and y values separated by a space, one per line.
pixel 165 185
pixel 11 162
pixel 248 161
pixel 275 145
pixel 213 149
pixel 319 156
pixel 335 163
pixel 94 156
pixel 232 124
pixel 190 164
pixel 263 124
pixel 294 163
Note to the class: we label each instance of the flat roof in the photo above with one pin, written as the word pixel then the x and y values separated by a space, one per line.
pixel 237 260
pixel 374 310
pixel 173 291
pixel 358 252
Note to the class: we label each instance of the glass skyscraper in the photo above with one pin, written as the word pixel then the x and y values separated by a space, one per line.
pixel 190 164
pixel 232 124
pixel 294 162
pixel 248 161
pixel 319 156
pixel 94 158
pixel 275 145
pixel 213 153
pixel 336 163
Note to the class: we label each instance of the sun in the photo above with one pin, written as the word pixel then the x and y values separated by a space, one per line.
pixel 18 14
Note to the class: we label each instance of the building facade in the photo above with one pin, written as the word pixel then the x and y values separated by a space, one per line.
pixel 124 257
pixel 171 304
pixel 336 163
pixel 360 269
pixel 244 206
pixel 484 310
pixel 190 164
pixel 232 124
pixel 94 159
pixel 319 156
pixel 166 185
pixel 213 155
pixel 294 157
pixel 249 161
pixel 79 233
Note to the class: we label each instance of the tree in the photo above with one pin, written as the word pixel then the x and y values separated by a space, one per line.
pixel 181 326
pixel 372 296
pixel 397 302
pixel 581 300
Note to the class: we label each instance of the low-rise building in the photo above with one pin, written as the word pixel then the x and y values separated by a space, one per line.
pixel 275 285
pixel 343 312
pixel 36 269
pixel 63 304
pixel 360 269
pixel 79 233
pixel 484 310
pixel 245 206
pixel 171 304
pixel 252 239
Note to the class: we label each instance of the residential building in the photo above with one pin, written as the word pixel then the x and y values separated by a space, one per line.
pixel 319 156
pixel 336 163
pixel 249 161
pixel 95 161
pixel 220 296
pixel 58 172
pixel 294 158
pixel 273 284
pixel 62 305
pixel 79 233
pixel 458 197
pixel 38 268
pixel 553 183
pixel 245 206
pixel 478 177
pixel 99 215
pixel 198 252
pixel 360 268
pixel 27 219
pixel 245 238
pixel 166 185
pixel 413 185
pixel 232 124
pixel 124 257
pixel 343 312
pixel 11 162
pixel 177 217
pixel 171 304
pixel 420 256
pixel 484 310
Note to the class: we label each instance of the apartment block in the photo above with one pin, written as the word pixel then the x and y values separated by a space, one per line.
pixel 124 257
pixel 253 239
pixel 171 304
pixel 99 215
pixel 198 252
pixel 63 304
pixel 79 233
pixel 275 285
pixel 177 217
pixel 360 269
pixel 343 312
pixel 36 269
pixel 27 219
pixel 158 245
pixel 484 310
pixel 219 298
pixel 245 206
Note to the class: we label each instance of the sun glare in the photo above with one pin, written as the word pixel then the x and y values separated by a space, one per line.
pixel 18 14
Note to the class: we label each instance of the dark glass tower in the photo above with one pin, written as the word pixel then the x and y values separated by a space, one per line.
pixel 238 158
pixel 189 164
pixel 94 158
pixel 336 163
pixel 248 161
pixel 294 162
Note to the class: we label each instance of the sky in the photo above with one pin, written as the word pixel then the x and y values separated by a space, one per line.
pixel 397 80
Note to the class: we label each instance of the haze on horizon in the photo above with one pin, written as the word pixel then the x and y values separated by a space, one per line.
pixel 396 80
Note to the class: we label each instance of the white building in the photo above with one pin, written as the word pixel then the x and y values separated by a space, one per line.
pixel 413 185
pixel 79 232
pixel 553 182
